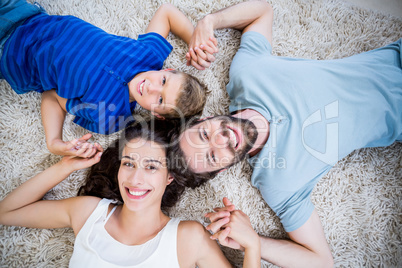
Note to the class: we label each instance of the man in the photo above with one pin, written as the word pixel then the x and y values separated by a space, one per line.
pixel 306 114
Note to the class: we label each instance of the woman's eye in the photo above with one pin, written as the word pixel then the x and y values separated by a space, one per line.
pixel 160 100
pixel 128 164
pixel 152 168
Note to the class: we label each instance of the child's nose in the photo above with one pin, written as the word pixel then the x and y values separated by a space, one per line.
pixel 154 89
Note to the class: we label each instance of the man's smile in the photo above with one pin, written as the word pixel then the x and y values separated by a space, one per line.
pixel 234 138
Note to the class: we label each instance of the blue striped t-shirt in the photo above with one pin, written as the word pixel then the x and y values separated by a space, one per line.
pixel 86 65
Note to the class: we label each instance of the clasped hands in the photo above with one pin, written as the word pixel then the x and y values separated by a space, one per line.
pixel 202 46
pixel 80 147
pixel 232 228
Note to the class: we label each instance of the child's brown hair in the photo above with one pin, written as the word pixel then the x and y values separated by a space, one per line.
pixel 191 99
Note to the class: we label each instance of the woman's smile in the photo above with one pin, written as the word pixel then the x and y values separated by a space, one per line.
pixel 137 193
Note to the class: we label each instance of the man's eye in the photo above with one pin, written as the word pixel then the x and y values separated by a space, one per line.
pixel 205 134
pixel 163 80
pixel 160 101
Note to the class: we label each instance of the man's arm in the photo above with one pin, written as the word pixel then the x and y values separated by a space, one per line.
pixel 307 247
pixel 247 16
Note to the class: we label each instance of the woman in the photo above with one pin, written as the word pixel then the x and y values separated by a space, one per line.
pixel 119 221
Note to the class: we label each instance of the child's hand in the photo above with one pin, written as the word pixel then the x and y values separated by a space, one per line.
pixel 77 147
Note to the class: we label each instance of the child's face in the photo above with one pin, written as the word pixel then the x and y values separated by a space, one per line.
pixel 143 175
pixel 156 91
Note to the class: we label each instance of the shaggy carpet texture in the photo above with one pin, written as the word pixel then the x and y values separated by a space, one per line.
pixel 359 201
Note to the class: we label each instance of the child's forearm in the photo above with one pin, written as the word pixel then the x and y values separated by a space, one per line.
pixel 169 19
pixel 180 25
pixel 53 116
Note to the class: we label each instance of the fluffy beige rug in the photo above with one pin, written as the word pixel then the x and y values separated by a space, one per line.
pixel 359 201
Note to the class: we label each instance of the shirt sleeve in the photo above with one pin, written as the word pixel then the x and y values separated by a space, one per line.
pixel 254 43
pixel 254 48
pixel 159 45
pixel 293 208
pixel 97 118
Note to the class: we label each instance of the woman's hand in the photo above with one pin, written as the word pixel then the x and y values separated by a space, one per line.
pixel 77 147
pixel 232 228
pixel 74 163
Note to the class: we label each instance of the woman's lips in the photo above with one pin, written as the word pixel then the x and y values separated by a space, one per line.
pixel 137 193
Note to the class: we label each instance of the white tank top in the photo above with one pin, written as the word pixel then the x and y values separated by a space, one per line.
pixel 94 247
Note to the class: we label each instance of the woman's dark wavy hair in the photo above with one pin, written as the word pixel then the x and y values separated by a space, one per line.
pixel 102 179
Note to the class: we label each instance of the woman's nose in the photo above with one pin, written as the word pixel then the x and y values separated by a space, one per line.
pixel 137 176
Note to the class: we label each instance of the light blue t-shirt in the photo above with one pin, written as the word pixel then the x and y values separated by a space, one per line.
pixel 319 112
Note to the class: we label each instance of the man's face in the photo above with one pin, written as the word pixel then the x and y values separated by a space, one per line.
pixel 217 142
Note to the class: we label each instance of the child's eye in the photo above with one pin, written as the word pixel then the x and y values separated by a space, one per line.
pixel 160 100
pixel 213 157
pixel 163 80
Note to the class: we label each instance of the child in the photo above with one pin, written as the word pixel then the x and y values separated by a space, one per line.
pixel 94 75
pixel 119 221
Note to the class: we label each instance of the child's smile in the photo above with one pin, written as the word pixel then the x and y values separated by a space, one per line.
pixel 141 87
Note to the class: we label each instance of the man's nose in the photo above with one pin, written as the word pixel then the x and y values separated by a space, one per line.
pixel 221 140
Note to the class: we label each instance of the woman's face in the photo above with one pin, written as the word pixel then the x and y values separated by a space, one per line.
pixel 143 175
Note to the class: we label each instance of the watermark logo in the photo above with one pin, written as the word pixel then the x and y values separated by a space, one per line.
pixel 331 153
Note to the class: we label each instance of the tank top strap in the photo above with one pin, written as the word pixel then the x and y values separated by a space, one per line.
pixel 167 249
pixel 100 211
pixel 110 213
